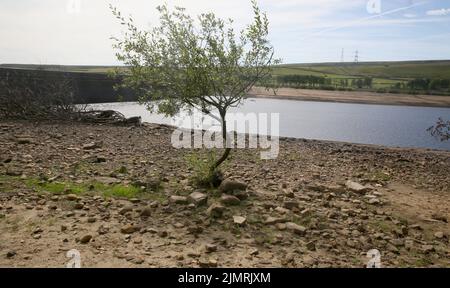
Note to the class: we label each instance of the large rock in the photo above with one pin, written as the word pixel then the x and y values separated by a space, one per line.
pixel 230 187
pixel 295 228
pixel 215 210
pixel 129 229
pixel 274 220
pixel 291 204
pixel 198 198
pixel 85 239
pixel 126 209
pixel 230 200
pixel 239 220
pixel 146 212
pixel 178 199
pixel 72 197
pixel 356 187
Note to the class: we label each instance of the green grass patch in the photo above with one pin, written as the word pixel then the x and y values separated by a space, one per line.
pixel 92 188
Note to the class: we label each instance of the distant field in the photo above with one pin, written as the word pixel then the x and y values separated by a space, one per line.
pixel 385 70
pixel 382 70
pixel 384 74
pixel 61 68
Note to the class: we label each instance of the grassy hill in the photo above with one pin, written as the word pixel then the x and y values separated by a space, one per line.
pixel 384 70
pixel 384 74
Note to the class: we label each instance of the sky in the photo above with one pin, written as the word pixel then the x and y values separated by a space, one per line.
pixel 77 32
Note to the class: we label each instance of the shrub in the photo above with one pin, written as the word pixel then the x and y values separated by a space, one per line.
pixel 200 164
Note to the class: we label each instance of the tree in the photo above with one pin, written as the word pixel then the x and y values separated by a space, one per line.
pixel 441 130
pixel 195 64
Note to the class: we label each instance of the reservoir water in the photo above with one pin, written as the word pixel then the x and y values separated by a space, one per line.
pixel 395 126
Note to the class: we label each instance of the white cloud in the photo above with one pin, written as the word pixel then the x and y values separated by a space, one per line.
pixel 409 15
pixel 439 12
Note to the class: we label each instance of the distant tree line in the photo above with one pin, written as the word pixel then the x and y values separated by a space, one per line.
pixel 440 86
pixel 312 81
pixel 303 80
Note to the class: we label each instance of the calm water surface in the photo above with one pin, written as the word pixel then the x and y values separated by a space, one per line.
pixel 397 126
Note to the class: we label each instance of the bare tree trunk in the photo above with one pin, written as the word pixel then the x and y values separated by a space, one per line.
pixel 227 151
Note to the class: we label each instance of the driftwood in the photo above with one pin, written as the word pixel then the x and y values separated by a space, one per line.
pixel 107 117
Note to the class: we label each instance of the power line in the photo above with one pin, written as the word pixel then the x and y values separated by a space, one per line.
pixel 356 57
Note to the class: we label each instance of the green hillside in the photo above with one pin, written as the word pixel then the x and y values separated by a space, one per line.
pixel 385 76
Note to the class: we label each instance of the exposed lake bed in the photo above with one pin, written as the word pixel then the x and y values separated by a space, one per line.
pixel 300 210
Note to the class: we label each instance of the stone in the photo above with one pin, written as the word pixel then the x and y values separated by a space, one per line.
pixel 137 260
pixel 356 187
pixel 210 248
pixel 70 214
pixel 146 212
pixel 239 220
pixel 274 220
pixel 163 233
pixel 230 186
pixel 85 239
pixel 11 254
pixel 295 228
pixel 91 145
pixel 102 230
pixel 439 217
pixel 198 198
pixel 311 246
pixel 427 249
pixel 178 199
pixel 282 210
pixel 211 263
pixel 37 230
pixel 91 220
pixel 392 248
pixel 134 200
pixel 24 140
pixel 178 225
pixel 374 201
pixel 215 210
pixel 439 235
pixel 72 197
pixel 229 200
pixel 107 180
pixel 290 204
pixel 195 230
pixel 126 209
pixel 129 229
pixel 78 206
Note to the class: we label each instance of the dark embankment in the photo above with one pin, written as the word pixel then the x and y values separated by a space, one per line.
pixel 88 87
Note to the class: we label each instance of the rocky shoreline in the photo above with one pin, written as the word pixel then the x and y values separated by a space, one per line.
pixel 122 196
